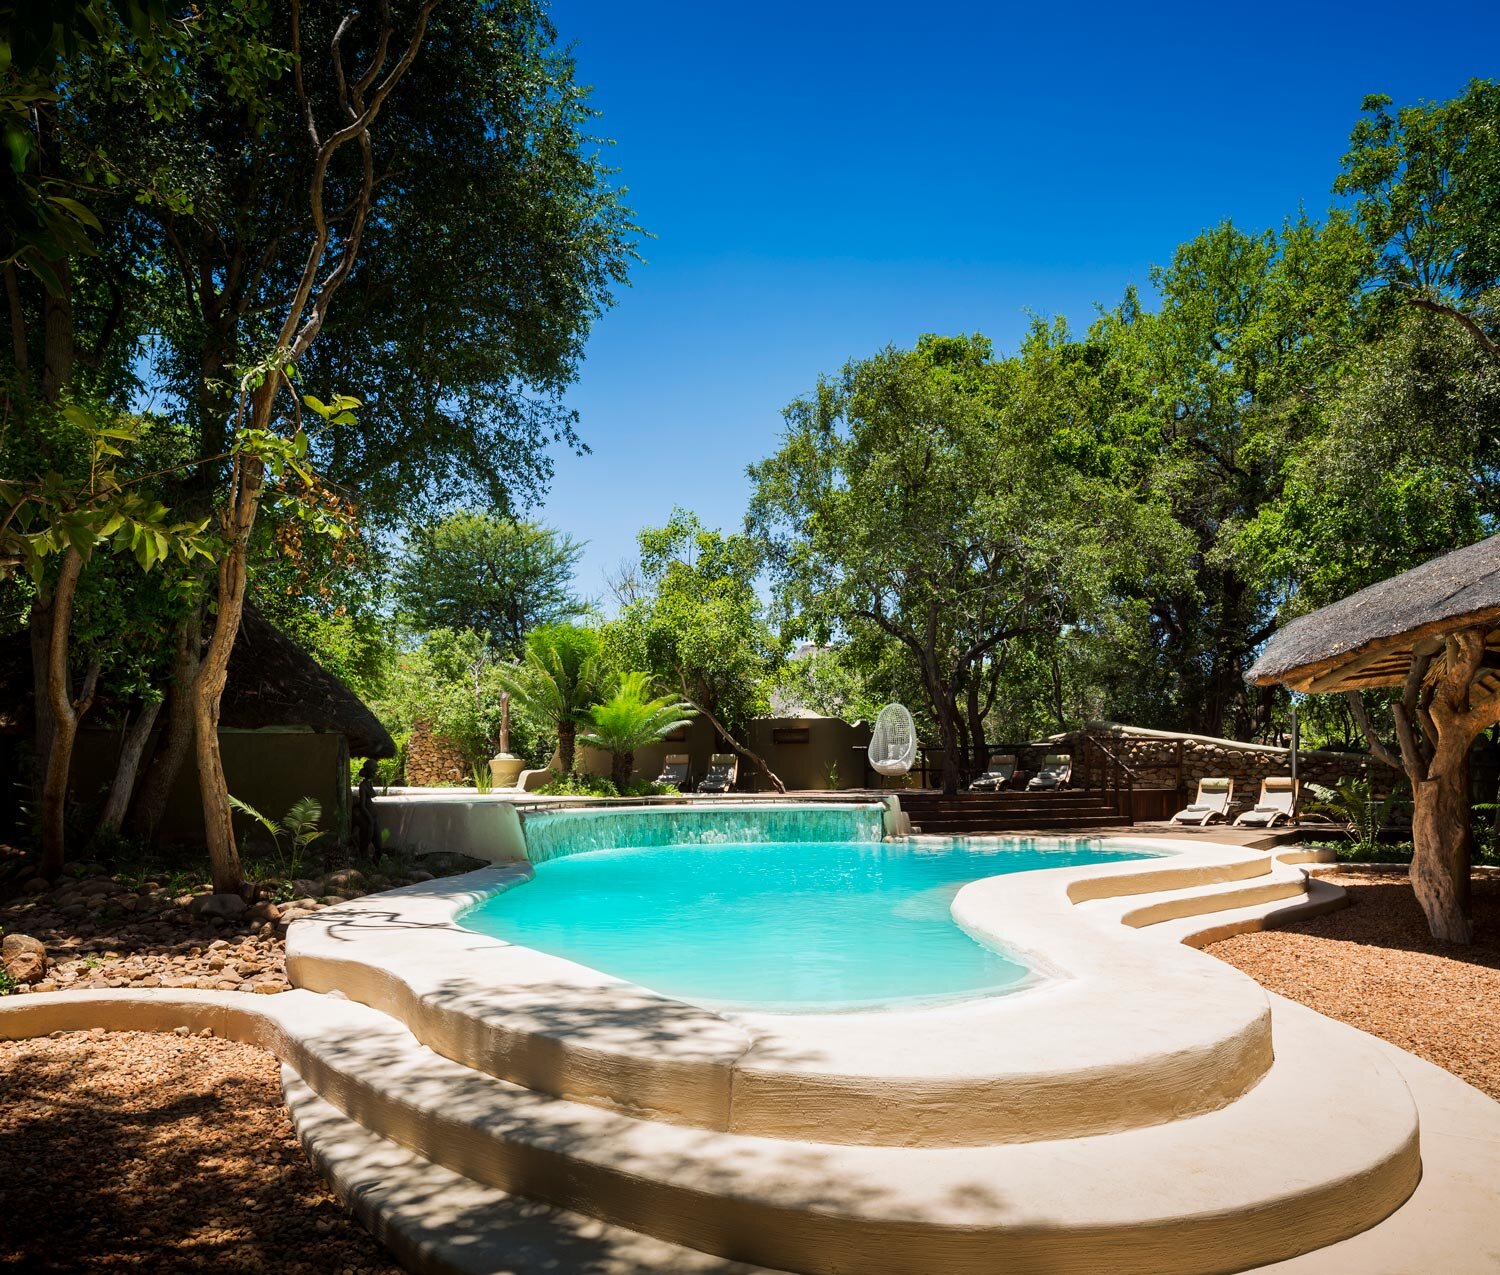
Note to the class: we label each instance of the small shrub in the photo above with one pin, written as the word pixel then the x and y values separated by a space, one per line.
pixel 576 785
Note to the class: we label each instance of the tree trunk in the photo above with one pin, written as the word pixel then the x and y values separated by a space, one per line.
pixel 567 736
pixel 947 713
pixel 1440 853
pixel 620 766
pixel 176 736
pixel 57 333
pixel 979 746
pixel 208 690
pixel 1437 722
pixel 66 713
pixel 41 641
pixel 132 748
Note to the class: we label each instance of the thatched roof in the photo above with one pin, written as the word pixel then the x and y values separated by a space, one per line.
pixel 1367 639
pixel 272 683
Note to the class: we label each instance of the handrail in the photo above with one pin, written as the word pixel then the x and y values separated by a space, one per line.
pixel 1113 770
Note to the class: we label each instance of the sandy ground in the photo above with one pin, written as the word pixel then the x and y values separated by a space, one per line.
pixel 131 1151
pixel 1375 966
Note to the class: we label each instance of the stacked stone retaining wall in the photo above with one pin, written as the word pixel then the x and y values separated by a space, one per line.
pixel 433 761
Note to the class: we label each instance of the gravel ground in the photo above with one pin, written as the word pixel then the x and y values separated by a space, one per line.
pixel 103 931
pixel 1375 966
pixel 160 1153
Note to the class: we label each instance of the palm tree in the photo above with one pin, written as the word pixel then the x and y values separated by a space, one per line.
pixel 557 680
pixel 629 719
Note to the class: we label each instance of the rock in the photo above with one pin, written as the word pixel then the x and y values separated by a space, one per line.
pixel 24 958
pixel 345 879
pixel 181 1031
pixel 419 874
pixel 37 885
pixel 217 905
pixel 206 1031
pixel 290 914
pixel 46 985
pixel 266 911
pixel 266 988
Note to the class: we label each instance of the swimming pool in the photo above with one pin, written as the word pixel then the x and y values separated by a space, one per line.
pixel 782 924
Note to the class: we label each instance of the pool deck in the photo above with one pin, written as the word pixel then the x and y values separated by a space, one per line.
pixel 1147 1109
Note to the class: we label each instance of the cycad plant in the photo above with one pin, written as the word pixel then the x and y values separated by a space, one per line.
pixel 557 680
pixel 629 718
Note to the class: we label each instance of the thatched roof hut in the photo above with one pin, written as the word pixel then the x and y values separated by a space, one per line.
pixel 1369 638
pixel 272 684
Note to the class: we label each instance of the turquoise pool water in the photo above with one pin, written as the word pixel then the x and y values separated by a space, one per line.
pixel 785 924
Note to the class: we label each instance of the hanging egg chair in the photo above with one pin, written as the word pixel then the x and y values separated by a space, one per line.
pixel 893 743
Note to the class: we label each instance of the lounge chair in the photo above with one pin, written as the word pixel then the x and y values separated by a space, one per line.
pixel 1056 772
pixel 1212 802
pixel 1277 804
pixel 1000 771
pixel 723 770
pixel 674 771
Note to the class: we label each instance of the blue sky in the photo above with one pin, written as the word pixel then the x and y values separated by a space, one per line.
pixel 824 179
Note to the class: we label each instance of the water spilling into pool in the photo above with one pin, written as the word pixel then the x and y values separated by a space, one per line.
pixel 806 910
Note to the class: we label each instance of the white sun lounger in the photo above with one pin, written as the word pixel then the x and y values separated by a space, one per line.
pixel 1211 803
pixel 1056 771
pixel 674 771
pixel 723 770
pixel 1277 804
pixel 999 773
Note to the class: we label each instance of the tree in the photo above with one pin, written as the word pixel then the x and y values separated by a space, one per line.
pixel 698 623
pixel 1426 185
pixel 490 574
pixel 557 680
pixel 918 495
pixel 629 718
pixel 1197 406
pixel 194 160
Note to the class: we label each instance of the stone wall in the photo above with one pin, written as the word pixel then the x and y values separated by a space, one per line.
pixel 1161 759
pixel 434 762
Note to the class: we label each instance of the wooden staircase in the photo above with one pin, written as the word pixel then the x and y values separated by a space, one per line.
pixel 973 813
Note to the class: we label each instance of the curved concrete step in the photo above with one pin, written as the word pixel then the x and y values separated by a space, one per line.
pixel 1282 1170
pixel 441 1222
pixel 1315 898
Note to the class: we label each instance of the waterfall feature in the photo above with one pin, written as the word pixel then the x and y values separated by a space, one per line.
pixel 553 834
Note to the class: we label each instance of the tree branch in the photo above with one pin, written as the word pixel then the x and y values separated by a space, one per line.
pixel 1486 342
pixel 1378 749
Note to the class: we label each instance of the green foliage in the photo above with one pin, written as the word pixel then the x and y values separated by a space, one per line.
pixel 1426 184
pixel 698 623
pixel 1353 803
pixel 453 681
pixel 630 717
pixel 488 574
pixel 299 825
pixel 919 498
pixel 577 785
pixel 558 679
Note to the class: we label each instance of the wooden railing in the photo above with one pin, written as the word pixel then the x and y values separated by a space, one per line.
pixel 1116 779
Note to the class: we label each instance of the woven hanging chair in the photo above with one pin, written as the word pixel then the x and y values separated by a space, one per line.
pixel 893 743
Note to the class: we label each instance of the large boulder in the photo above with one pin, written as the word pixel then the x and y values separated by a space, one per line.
pixel 24 958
